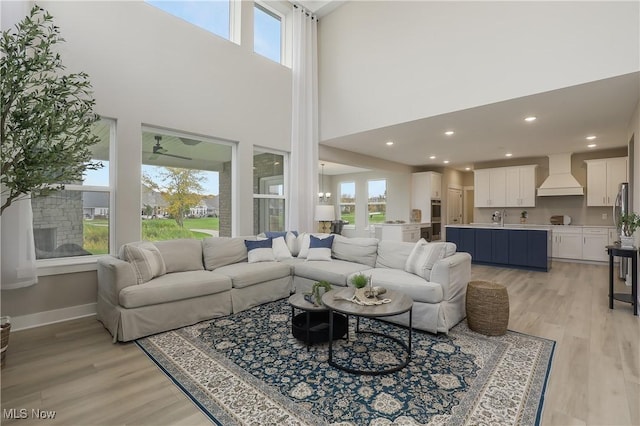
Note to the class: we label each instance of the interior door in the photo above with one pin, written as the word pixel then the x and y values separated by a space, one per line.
pixel 454 206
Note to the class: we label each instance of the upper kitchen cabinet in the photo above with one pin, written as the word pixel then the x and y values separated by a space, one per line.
pixel 425 186
pixel 521 186
pixel 489 187
pixel 603 179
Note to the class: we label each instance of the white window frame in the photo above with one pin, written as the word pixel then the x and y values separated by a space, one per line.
pixel 285 177
pixel 68 265
pixel 355 203
pixel 282 11
pixel 386 181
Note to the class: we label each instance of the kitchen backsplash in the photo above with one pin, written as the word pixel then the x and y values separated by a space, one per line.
pixel 574 206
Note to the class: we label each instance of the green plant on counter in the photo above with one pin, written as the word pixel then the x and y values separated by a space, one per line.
pixel 629 223
pixel 359 281
pixel 524 214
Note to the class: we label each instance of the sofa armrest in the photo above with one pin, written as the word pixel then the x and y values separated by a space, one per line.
pixel 113 275
pixel 453 273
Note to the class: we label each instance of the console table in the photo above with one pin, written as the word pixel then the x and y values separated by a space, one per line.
pixel 616 250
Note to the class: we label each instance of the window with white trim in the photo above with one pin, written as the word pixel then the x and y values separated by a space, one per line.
pixel 377 201
pixel 268 32
pixel 269 199
pixel 211 15
pixel 348 203
pixel 77 221
pixel 186 188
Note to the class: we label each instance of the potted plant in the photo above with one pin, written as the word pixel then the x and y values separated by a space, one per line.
pixel 315 296
pixel 523 216
pixel 629 222
pixel 359 281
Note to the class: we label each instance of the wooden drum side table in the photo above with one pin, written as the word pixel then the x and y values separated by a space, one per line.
pixel 616 250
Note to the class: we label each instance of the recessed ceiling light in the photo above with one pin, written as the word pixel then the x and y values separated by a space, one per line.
pixel 591 145
pixel 590 138
pixel 390 143
pixel 531 118
pixel 508 154
pixel 433 157
pixel 446 161
pixel 467 168
pixel 449 132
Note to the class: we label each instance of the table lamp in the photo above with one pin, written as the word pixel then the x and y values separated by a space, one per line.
pixel 325 215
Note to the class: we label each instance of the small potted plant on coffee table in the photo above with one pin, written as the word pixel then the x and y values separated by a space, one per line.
pixel 359 281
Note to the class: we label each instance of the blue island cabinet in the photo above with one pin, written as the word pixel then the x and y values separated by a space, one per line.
pixel 517 248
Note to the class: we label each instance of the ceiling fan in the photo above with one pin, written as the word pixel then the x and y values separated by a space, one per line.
pixel 159 150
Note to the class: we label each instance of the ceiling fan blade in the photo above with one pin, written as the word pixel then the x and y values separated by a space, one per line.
pixel 152 155
pixel 175 156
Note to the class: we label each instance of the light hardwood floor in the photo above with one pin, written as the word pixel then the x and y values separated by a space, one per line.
pixel 74 369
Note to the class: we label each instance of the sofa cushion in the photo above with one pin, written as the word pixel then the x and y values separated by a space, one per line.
pixel 184 254
pixel 359 250
pixel 320 248
pixel 423 256
pixel 172 287
pixel 335 272
pixel 146 259
pixel 248 274
pixel 222 251
pixel 412 285
pixel 280 249
pixel 393 254
pixel 260 251
pixel 303 240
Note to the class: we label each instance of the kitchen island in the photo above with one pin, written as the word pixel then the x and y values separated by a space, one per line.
pixel 513 246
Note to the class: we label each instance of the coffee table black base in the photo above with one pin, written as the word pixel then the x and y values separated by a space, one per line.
pixel 313 327
pixel 405 346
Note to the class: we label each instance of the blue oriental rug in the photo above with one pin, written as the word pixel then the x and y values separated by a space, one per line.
pixel 247 368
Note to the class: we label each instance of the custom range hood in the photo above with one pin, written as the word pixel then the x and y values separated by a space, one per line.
pixel 560 181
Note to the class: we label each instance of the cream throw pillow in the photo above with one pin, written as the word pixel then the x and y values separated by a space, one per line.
pixel 423 256
pixel 145 258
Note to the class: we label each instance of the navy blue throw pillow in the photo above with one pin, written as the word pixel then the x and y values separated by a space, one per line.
pixel 273 234
pixel 259 251
pixel 316 242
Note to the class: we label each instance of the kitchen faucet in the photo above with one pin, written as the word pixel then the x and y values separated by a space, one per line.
pixel 502 216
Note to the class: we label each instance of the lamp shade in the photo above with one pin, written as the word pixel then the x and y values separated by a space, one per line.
pixel 325 213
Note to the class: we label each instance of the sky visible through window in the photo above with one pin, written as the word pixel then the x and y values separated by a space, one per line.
pixel 266 34
pixel 211 15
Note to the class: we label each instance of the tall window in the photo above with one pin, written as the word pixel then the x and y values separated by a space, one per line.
pixel 377 200
pixel 348 202
pixel 211 15
pixel 77 220
pixel 269 199
pixel 267 33
pixel 186 186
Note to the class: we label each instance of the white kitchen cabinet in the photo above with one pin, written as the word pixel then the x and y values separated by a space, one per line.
pixel 603 179
pixel 520 186
pixel 423 187
pixel 594 241
pixel 490 187
pixel 567 243
pixel 436 186
pixel 407 232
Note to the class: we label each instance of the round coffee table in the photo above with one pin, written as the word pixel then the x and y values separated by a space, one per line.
pixel 400 303
pixel 312 325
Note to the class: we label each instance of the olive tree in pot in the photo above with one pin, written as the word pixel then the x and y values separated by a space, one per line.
pixel 46 118
pixel 46 115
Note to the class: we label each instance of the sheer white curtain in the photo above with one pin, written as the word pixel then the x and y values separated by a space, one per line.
pixel 18 248
pixel 303 188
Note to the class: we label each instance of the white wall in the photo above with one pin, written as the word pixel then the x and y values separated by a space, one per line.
pixel 148 67
pixel 387 62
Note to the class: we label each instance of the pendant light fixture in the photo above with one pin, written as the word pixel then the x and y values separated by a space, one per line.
pixel 324 196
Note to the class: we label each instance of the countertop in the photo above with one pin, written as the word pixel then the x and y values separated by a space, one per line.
pixel 529 226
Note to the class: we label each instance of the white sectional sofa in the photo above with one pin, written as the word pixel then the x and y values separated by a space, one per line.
pixel 154 287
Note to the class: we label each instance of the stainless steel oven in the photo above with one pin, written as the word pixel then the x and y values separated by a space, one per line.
pixel 435 231
pixel 436 210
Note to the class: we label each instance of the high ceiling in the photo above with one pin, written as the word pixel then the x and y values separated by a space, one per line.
pixel 565 117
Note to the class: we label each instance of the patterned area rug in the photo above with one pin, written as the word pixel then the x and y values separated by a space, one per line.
pixel 247 368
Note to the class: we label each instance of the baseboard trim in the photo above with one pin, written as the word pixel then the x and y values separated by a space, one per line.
pixel 24 322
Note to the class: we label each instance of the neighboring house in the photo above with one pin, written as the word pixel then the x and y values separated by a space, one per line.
pixel 154 200
pixel 95 204
pixel 208 206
